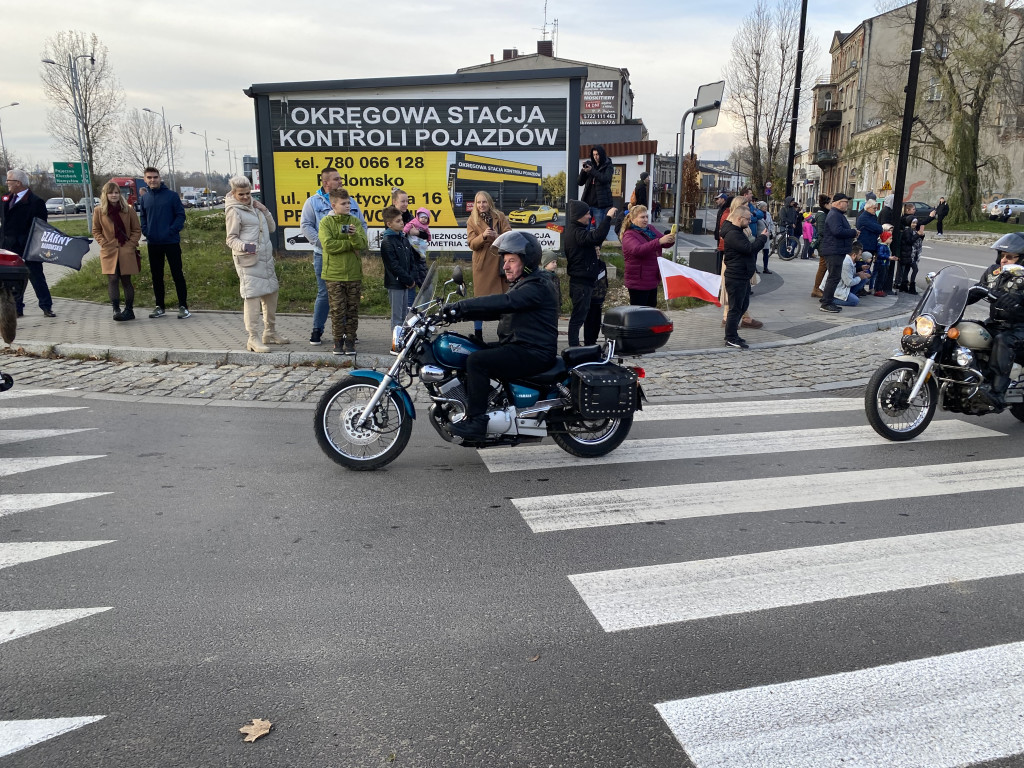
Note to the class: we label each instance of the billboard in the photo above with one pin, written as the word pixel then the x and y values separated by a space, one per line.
pixel 441 143
pixel 600 103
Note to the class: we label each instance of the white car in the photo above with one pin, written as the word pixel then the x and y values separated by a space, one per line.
pixel 997 208
pixel 60 205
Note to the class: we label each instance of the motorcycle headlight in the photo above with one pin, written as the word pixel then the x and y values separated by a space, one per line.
pixel 397 336
pixel 964 357
pixel 924 325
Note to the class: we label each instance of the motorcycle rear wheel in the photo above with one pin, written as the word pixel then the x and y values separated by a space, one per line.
pixel 885 402
pixel 8 315
pixel 1018 411
pixel 590 439
pixel 378 442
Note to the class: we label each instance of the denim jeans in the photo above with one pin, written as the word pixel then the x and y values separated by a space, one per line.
pixel 853 299
pixel 597 215
pixel 399 305
pixel 321 306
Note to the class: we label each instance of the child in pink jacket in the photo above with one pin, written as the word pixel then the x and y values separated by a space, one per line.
pixel 807 237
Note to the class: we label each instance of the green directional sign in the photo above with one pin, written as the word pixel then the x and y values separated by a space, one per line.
pixel 69 173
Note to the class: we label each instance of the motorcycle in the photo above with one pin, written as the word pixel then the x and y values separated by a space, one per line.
pixel 942 356
pixel 585 402
pixel 13 280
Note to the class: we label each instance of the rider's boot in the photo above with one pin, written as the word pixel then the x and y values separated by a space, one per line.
pixel 472 429
pixel 993 394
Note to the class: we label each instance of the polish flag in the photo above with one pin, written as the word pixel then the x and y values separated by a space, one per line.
pixel 679 281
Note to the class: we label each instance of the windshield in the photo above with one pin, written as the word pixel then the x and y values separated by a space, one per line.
pixel 946 297
pixel 426 293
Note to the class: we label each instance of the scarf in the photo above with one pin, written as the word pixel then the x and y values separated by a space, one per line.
pixel 646 233
pixel 115 218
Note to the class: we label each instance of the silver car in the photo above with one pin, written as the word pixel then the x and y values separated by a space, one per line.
pixel 60 205
pixel 997 208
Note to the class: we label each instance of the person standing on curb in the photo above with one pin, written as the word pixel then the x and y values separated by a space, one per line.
pixel 485 225
pixel 117 230
pixel 835 244
pixel 582 243
pixel 941 212
pixel 20 207
pixel 741 247
pixel 819 232
pixel 314 210
pixel 163 218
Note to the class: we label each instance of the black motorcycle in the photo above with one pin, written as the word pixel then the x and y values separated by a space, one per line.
pixel 943 358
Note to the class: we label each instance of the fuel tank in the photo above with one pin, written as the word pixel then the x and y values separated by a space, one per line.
pixel 452 349
pixel 974 335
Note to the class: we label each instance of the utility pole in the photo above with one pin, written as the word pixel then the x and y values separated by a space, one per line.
pixel 231 167
pixel 207 145
pixel 796 99
pixel 167 142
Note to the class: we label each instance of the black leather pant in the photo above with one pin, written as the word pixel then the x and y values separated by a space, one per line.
pixel 1004 349
pixel 502 362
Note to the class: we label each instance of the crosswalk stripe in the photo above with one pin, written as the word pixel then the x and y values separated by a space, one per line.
pixel 15 624
pixel 717 409
pixel 17 392
pixel 544 457
pixel 952 710
pixel 29 463
pixel 10 503
pixel 16 735
pixel 662 594
pixel 27 551
pixel 20 413
pixel 9 436
pixel 730 497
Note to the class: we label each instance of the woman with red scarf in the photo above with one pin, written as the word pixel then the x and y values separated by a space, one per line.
pixel 116 227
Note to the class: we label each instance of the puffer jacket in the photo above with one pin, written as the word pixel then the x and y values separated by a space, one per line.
pixel 870 229
pixel 528 313
pixel 248 224
pixel 740 253
pixel 640 255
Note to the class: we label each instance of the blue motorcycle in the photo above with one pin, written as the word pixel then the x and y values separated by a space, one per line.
pixel 585 402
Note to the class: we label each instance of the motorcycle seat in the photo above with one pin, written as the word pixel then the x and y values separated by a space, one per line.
pixel 552 375
pixel 574 356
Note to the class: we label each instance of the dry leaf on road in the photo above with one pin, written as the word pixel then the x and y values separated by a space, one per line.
pixel 256 729
pixel 535 658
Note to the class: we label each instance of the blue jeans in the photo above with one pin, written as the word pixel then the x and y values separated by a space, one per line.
pixel 399 305
pixel 597 215
pixel 853 299
pixel 321 306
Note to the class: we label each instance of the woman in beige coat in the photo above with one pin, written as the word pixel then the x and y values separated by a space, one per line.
pixel 485 224
pixel 115 226
pixel 249 225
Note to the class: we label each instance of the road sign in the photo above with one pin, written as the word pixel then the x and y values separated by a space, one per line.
pixel 707 95
pixel 887 187
pixel 68 173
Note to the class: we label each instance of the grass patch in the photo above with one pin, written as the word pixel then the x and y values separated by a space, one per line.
pixel 213 283
pixel 989 225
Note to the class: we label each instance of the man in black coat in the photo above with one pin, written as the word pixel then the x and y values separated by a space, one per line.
pixel 941 212
pixel 596 180
pixel 835 244
pixel 740 260
pixel 581 243
pixel 20 207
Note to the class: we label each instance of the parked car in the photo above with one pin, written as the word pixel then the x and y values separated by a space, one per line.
pixel 80 206
pixel 531 214
pixel 921 210
pixel 997 208
pixel 187 203
pixel 60 205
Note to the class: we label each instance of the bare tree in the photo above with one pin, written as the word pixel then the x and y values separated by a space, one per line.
pixel 100 93
pixel 142 141
pixel 760 79
pixel 969 97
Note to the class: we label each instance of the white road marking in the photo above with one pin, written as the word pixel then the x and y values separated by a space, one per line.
pixel 11 503
pixel 8 436
pixel 958 263
pixel 20 413
pixel 546 457
pixel 27 551
pixel 27 464
pixel 16 735
pixel 731 497
pixel 953 710
pixel 14 394
pixel 663 594
pixel 710 410
pixel 15 624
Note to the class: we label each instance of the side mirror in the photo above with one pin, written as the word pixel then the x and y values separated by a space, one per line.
pixel 457 277
pixel 461 289
pixel 930 277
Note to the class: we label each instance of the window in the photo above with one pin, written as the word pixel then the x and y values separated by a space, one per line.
pixel 942 46
pixel 828 101
pixel 932 92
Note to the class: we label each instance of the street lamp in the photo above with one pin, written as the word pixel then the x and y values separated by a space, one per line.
pixel 170 142
pixel 79 109
pixel 231 167
pixel 167 141
pixel 3 147
pixel 207 145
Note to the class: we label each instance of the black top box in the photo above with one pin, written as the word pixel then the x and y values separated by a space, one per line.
pixel 636 330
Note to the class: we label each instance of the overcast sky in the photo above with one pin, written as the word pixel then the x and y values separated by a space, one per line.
pixel 194 58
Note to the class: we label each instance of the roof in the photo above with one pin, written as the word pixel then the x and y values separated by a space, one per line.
pixel 622 148
pixel 489 64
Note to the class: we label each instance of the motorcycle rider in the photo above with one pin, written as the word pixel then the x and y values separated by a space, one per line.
pixel 1008 310
pixel 527 331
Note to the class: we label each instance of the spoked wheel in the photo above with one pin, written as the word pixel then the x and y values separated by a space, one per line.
pixel 887 402
pixel 371 445
pixel 589 439
pixel 789 247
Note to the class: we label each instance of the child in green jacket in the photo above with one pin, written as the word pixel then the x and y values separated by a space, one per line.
pixel 343 238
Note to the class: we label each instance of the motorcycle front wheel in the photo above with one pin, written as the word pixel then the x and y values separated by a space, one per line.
pixel 590 439
pixel 361 447
pixel 889 411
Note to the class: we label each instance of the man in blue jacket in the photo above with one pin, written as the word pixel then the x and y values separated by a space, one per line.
pixel 835 244
pixel 162 219
pixel 315 208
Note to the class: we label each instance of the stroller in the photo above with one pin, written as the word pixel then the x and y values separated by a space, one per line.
pixel 13 280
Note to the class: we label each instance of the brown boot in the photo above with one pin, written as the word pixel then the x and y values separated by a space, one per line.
pixel 816 293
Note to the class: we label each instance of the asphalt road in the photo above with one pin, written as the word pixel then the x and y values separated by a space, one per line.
pixel 447 612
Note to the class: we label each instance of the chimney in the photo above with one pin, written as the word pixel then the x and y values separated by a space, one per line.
pixel 492 58
pixel 546 47
pixel 509 53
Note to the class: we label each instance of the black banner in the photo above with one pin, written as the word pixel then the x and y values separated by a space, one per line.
pixel 51 246
pixel 466 125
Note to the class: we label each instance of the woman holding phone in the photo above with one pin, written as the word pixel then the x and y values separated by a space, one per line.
pixel 249 225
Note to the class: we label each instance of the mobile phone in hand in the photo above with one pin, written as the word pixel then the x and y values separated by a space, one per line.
pixel 250 247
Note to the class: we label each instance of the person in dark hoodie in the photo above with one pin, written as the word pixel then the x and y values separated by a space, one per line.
pixel 581 244
pixel 741 249
pixel 527 329
pixel 596 180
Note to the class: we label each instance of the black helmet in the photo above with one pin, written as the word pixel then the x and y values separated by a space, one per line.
pixel 1012 242
pixel 524 245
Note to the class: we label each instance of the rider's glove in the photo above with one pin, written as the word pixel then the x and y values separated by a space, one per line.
pixel 1009 303
pixel 453 312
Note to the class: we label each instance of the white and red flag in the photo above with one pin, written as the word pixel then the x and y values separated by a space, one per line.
pixel 679 280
